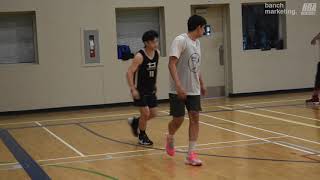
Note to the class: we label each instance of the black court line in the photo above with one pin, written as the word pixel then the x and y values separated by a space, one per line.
pixel 29 165
pixel 125 119
pixel 202 154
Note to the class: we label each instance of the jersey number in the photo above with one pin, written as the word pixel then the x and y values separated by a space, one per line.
pixel 151 73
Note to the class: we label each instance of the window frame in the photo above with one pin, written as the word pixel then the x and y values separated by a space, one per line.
pixel 33 14
pixel 162 26
pixel 281 18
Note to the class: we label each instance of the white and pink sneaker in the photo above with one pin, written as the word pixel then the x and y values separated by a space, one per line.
pixel 171 151
pixel 193 160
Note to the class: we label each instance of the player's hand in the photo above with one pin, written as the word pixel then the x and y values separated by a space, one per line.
pixel 135 94
pixel 203 91
pixel 181 93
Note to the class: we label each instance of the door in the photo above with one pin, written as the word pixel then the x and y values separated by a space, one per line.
pixel 213 49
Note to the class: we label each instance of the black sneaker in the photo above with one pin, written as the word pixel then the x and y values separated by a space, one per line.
pixel 144 140
pixel 134 124
pixel 314 100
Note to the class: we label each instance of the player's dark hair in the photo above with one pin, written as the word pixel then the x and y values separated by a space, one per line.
pixel 150 36
pixel 196 21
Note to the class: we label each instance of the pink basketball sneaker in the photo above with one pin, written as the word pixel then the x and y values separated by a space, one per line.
pixel 193 160
pixel 170 146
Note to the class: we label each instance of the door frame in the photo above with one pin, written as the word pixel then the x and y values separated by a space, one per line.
pixel 226 42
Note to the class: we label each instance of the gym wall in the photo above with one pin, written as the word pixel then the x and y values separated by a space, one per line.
pixel 60 79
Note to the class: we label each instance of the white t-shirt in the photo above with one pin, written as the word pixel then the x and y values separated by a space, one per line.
pixel 319 50
pixel 188 67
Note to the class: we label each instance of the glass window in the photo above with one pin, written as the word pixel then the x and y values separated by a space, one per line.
pixel 132 23
pixel 263 26
pixel 17 38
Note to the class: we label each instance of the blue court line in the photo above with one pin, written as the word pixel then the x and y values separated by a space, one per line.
pixel 29 165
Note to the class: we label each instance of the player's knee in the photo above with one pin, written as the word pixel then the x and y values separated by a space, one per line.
pixel 178 121
pixel 153 114
pixel 194 115
pixel 146 114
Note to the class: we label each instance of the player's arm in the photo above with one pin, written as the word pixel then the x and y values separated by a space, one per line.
pixel 202 86
pixel 136 62
pixel 156 87
pixel 173 72
pixel 177 47
pixel 314 40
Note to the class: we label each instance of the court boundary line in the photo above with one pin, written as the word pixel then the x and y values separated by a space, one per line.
pixel 273 117
pixel 128 114
pixel 181 152
pixel 261 129
pixel 258 138
pixel 86 171
pixel 70 119
pixel 244 134
pixel 209 155
pixel 283 113
pixel 265 102
pixel 299 146
pixel 267 131
pixel 144 150
pixel 309 156
pixel 60 139
pixel 135 155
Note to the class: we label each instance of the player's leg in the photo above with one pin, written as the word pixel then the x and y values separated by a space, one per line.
pixel 134 121
pixel 177 110
pixel 194 107
pixel 147 113
pixel 152 104
pixel 316 91
pixel 144 117
pixel 153 113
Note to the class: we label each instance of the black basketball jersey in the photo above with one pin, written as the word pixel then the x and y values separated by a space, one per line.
pixel 146 76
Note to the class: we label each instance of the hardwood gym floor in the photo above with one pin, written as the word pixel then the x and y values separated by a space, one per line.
pixel 262 137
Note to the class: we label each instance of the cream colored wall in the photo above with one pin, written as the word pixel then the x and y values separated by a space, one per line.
pixel 60 80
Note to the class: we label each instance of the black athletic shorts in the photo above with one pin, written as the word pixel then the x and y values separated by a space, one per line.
pixel 146 100
pixel 177 106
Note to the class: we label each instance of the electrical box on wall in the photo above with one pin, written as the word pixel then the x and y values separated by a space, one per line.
pixel 208 30
pixel 91 47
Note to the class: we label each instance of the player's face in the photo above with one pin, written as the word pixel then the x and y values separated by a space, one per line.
pixel 153 44
pixel 200 31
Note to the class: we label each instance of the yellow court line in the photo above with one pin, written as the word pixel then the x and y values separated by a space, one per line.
pixel 273 117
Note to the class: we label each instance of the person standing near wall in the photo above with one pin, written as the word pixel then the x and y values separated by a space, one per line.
pixel 142 78
pixel 315 96
pixel 186 85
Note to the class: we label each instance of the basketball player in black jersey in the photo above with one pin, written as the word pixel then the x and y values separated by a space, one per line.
pixel 142 78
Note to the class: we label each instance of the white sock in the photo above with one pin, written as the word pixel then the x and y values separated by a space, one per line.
pixel 192 146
